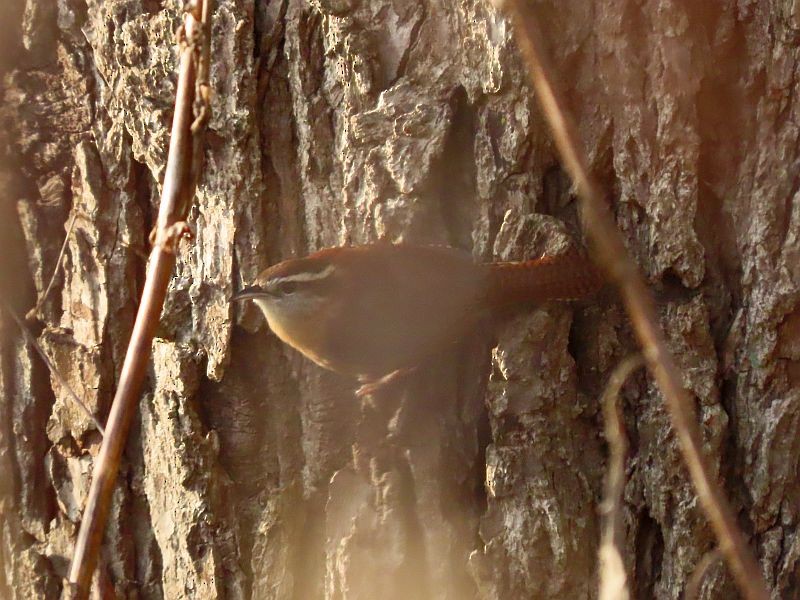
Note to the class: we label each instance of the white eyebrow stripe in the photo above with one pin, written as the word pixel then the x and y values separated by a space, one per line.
pixel 308 276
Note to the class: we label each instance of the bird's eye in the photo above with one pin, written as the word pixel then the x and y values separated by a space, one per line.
pixel 287 287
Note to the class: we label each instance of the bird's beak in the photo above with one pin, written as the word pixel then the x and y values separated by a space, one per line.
pixel 249 293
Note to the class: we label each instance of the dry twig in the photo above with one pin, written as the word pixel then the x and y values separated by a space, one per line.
pixel 613 578
pixel 176 196
pixel 699 574
pixel 34 312
pixel 611 254
pixel 36 346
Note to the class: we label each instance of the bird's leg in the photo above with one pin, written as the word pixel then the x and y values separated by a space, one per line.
pixel 369 387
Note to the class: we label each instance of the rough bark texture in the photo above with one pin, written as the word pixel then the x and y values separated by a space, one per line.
pixel 253 474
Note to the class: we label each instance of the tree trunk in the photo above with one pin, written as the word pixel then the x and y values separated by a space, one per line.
pixel 251 473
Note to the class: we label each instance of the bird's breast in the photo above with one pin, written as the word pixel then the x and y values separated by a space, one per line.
pixel 305 333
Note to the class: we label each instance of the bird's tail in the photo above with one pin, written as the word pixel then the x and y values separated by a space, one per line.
pixel 566 277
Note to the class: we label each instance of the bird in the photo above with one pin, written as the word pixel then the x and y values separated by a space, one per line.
pixel 377 310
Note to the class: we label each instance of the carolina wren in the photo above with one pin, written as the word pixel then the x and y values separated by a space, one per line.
pixel 370 311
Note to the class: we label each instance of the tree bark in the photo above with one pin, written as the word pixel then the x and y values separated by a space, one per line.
pixel 252 473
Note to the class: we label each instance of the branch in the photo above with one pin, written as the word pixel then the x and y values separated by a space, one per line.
pixel 695 582
pixel 611 254
pixel 176 196
pixel 613 578
pixel 34 312
pixel 61 379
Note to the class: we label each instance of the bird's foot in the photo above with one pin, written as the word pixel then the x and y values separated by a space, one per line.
pixel 368 388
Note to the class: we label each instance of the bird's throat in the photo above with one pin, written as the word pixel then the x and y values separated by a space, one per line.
pixel 299 333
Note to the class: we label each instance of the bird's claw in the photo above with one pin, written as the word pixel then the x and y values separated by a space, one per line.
pixel 368 388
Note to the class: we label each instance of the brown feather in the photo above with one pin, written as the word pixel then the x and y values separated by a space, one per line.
pixel 566 277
